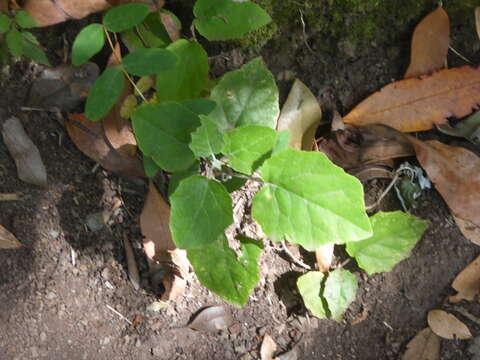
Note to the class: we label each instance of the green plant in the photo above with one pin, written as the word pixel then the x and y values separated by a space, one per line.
pixel 19 42
pixel 212 138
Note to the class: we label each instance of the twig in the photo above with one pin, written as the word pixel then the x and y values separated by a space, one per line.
pixel 304 32
pixel 294 259
pixel 385 192
pixel 116 312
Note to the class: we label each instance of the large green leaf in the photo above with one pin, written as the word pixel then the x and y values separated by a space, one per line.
pixel 123 17
pixel 32 49
pixel 189 76
pixel 247 147
pixel 199 106
pixel 309 201
pixel 163 131
pixel 104 94
pixel 220 270
pixel 14 42
pixel 340 291
pixel 201 211
pixel 310 286
pixel 394 236
pixel 4 23
pixel 150 166
pixel 248 96
pixel 149 61
pixel 207 139
pixel 25 20
pixel 228 19
pixel 88 42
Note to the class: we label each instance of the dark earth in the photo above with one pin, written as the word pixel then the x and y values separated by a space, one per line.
pixel 56 292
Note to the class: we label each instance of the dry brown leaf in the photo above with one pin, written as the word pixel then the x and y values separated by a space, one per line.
pixel 3 6
pixel 447 326
pixel 373 171
pixel 430 42
pixel 417 104
pixel 268 348
pixel 455 172
pixel 212 319
pixel 301 115
pixel 424 346
pixel 468 229
pixel 324 256
pixel 357 146
pixel 8 240
pixel 467 283
pixel 477 20
pixel 172 26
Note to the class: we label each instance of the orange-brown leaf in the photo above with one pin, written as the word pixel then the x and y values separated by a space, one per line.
pixel 424 346
pixel 8 240
pixel 430 43
pixel 417 104
pixel 467 283
pixel 447 326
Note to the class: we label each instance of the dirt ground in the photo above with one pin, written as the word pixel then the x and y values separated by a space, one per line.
pixel 58 291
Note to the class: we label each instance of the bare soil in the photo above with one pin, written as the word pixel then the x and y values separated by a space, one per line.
pixel 57 292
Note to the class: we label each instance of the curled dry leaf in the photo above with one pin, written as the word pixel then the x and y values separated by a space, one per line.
pixel 8 240
pixel 424 346
pixel 30 167
pixel 373 171
pixel 212 319
pixel 417 104
pixel 356 147
pixel 50 12
pixel 324 256
pixel 430 42
pixel 167 264
pixel 447 326
pixel 301 115
pixel 268 348
pixel 467 283
pixel 470 230
pixel 455 172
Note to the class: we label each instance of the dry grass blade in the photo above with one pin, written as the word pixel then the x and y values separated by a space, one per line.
pixel 430 42
pixel 467 283
pixel 8 240
pixel 447 326
pixel 424 346
pixel 417 104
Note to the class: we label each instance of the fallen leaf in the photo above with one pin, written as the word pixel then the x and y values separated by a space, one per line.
pixel 30 167
pixel 133 273
pixel 468 128
pixel 430 43
pixel 356 147
pixel 8 240
pixel 301 115
pixel 455 172
pixel 477 20
pixel 417 104
pixel 212 319
pixel 172 25
pixel 447 326
pixel 324 256
pixel 268 348
pixel 424 346
pixel 467 283
pixel 167 264
pixel 373 171
pixel 468 229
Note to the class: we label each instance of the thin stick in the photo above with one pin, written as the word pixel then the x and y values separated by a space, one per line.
pixel 10 197
pixel 304 32
pixel 385 192
pixel 294 259
pixel 116 312
pixel 459 55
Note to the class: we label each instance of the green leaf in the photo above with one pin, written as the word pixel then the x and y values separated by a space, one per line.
pixel 14 42
pixel 4 23
pixel 189 76
pixel 234 183
pixel 88 42
pixel 340 291
pixel 123 17
pixel 149 61
pixel 228 19
pixel 283 139
pixel 220 270
pixel 247 147
pixel 104 94
pixel 150 33
pixel 177 177
pixel 150 166
pixel 394 236
pixel 248 96
pixel 201 211
pixel 310 201
pixel 25 20
pixel 163 131
pixel 207 139
pixel 199 106
pixel 309 286
pixel 33 50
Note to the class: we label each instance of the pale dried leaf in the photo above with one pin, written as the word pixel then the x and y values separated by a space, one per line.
pixel 417 104
pixel 30 167
pixel 467 283
pixel 447 326
pixel 324 256
pixel 133 273
pixel 301 115
pixel 8 240
pixel 430 42
pixel 424 346
pixel 268 348
pixel 468 229
pixel 212 319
